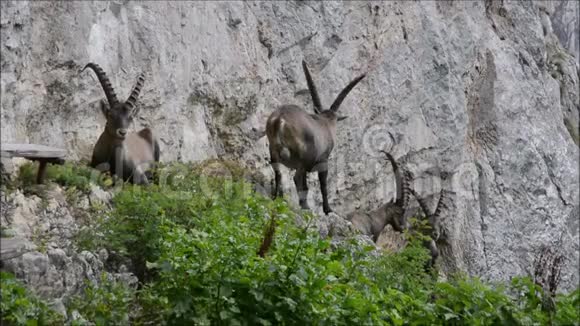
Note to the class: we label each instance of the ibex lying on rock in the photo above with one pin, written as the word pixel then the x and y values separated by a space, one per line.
pixel 126 155
pixel 303 141
pixel 393 213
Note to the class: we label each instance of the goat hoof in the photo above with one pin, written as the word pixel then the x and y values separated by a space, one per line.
pixel 327 210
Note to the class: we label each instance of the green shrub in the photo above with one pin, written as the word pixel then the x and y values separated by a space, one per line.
pixel 193 239
pixel 194 243
pixel 182 196
pixel 567 309
pixel 108 303
pixel 26 175
pixel 77 175
pixel 71 175
pixel 19 307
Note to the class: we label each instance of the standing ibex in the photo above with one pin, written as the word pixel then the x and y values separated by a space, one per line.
pixel 304 141
pixel 126 155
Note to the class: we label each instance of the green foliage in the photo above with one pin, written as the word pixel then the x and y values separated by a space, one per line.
pixel 77 176
pixel 26 175
pixel 19 307
pixel 5 232
pixel 467 301
pixel 71 175
pixel 104 304
pixel 567 309
pixel 193 240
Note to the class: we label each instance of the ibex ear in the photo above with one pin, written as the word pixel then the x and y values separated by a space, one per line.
pixel 342 117
pixel 105 108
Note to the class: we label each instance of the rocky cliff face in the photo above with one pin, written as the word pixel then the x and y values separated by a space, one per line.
pixel 479 91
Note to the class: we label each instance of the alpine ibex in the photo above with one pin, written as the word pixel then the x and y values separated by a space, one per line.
pixel 126 155
pixel 393 213
pixel 303 141
pixel 434 221
pixel 397 213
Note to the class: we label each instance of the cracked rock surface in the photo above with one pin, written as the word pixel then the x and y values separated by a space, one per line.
pixel 38 246
pixel 480 90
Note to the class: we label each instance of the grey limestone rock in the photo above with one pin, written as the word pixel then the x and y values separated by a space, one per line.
pixel 477 89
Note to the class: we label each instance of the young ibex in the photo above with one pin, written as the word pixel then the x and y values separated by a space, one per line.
pixel 126 155
pixel 303 141
pixel 393 213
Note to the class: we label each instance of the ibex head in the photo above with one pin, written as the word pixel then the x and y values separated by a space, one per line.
pixel 119 114
pixel 332 113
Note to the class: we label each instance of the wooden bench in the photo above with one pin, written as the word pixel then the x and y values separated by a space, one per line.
pixel 42 154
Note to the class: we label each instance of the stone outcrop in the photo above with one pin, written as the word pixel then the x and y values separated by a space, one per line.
pixel 38 244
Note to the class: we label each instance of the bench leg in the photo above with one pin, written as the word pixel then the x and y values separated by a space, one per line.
pixel 41 171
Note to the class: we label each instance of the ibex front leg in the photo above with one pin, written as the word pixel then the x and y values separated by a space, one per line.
pixel 301 183
pixel 322 176
pixel 322 169
pixel 278 192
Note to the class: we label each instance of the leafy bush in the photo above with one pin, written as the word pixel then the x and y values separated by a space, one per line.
pixel 26 175
pixel 71 175
pixel 108 302
pixel 182 196
pixel 19 307
pixel 77 175
pixel 196 241
pixel 567 309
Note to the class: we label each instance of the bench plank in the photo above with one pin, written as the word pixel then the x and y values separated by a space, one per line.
pixel 34 152
pixel 31 151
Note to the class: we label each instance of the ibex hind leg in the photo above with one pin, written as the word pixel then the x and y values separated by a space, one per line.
pixel 133 174
pixel 300 180
pixel 141 174
pixel 275 162
pixel 278 192
pixel 138 178
pixel 141 179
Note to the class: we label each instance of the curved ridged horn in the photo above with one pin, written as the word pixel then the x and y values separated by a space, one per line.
pixel 441 204
pixel 105 83
pixel 422 203
pixel 136 90
pixel 334 107
pixel 401 182
pixel 312 88
pixel 407 177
